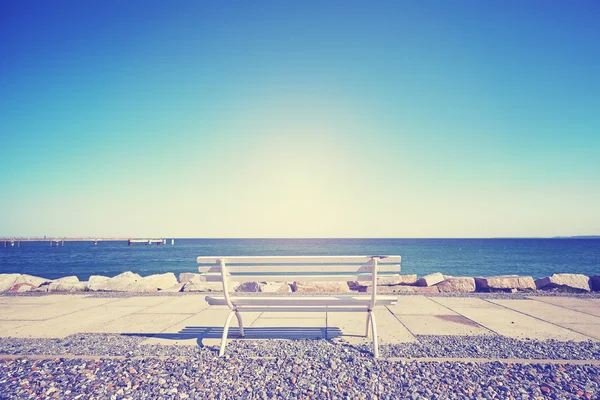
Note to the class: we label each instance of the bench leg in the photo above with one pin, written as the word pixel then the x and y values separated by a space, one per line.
pixel 374 331
pixel 225 332
pixel 368 323
pixel 240 323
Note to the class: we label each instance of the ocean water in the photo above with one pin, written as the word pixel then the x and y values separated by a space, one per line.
pixel 459 257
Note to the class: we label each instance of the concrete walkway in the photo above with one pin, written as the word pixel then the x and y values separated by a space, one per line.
pixel 188 320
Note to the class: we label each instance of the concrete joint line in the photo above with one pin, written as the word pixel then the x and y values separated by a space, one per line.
pixel 401 323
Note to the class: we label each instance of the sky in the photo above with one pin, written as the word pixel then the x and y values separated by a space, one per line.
pixel 299 119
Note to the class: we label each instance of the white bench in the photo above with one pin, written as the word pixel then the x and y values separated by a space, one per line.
pixel 300 268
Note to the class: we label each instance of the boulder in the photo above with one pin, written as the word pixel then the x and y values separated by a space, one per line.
pixel 34 280
pixel 127 275
pixel 125 282
pixel 202 286
pixel 383 280
pixel 505 283
pixel 199 284
pixel 67 279
pixel 57 286
pixel 431 279
pixel 457 285
pixel 595 282
pixel 97 282
pixel 174 289
pixel 569 282
pixel 21 287
pixel 320 287
pixel 250 287
pixel 185 277
pixel 161 281
pixel 7 281
pixel 275 287
pixel 403 289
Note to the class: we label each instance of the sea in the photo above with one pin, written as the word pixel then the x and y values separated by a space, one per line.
pixel 457 257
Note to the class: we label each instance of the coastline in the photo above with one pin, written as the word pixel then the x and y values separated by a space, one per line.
pixel 400 284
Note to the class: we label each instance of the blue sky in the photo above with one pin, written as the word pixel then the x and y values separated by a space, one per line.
pixel 305 119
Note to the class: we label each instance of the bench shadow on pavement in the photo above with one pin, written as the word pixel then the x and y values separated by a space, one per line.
pixel 216 332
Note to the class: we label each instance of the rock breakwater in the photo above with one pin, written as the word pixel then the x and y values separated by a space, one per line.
pixel 192 282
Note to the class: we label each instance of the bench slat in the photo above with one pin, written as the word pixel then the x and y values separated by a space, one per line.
pixel 296 259
pixel 289 278
pixel 287 301
pixel 302 309
pixel 300 268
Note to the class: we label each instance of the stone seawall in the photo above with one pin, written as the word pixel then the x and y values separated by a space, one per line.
pixel 192 282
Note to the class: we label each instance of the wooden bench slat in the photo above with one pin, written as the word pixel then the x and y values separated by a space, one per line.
pixel 279 301
pixel 289 278
pixel 295 259
pixel 300 268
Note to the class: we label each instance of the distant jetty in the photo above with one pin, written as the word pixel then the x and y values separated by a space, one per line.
pixel 16 241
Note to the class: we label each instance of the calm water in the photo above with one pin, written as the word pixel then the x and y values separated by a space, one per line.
pixel 460 257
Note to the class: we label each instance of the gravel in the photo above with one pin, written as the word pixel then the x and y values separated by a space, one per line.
pixel 291 378
pixel 491 347
pixel 294 369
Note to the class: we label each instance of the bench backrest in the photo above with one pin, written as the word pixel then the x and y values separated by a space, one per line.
pixel 297 268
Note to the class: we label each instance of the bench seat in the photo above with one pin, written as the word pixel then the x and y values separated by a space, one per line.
pixel 274 302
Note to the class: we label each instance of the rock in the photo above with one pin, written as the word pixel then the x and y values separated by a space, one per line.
pixel 67 279
pixel 21 287
pixel 58 286
pixel 505 283
pixel 174 289
pixel 431 279
pixel 407 289
pixel 249 287
pixel 574 282
pixel 383 280
pixel 97 282
pixel 7 281
pixel 127 275
pixel 320 287
pixel 595 282
pixel 457 285
pixel 34 280
pixel 199 284
pixel 185 277
pixel 275 287
pixel 161 281
pixel 125 282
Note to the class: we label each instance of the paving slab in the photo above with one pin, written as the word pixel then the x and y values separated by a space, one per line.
pixel 419 305
pixel 389 329
pixel 202 329
pixel 47 311
pixel 69 324
pixel 347 327
pixel 140 301
pixel 11 325
pixel 442 325
pixel 565 301
pixel 180 305
pixel 592 330
pixel 139 323
pixel 452 302
pixel 42 299
pixel 548 312
pixel 514 324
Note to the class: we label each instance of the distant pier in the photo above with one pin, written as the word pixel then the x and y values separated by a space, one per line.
pixel 16 241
